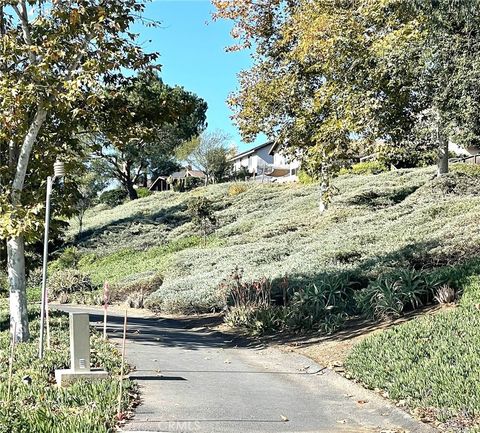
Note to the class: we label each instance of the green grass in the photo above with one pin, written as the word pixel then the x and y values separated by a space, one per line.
pixel 128 264
pixel 431 362
pixel 41 407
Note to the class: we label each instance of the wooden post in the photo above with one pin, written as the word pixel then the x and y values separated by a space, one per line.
pixel 106 297
pixel 123 364
pixel 10 364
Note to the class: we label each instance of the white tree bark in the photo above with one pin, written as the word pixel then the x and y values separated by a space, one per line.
pixel 16 245
pixel 18 294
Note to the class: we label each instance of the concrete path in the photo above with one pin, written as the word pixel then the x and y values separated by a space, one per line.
pixel 193 380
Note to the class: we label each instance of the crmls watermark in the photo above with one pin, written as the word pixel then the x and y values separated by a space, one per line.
pixel 183 426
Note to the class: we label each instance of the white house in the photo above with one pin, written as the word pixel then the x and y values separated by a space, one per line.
pixel 267 163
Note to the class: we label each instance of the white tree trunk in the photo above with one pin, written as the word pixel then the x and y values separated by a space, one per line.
pixel 18 293
pixel 16 246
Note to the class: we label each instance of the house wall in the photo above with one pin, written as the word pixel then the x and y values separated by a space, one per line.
pixel 257 160
pixel 254 160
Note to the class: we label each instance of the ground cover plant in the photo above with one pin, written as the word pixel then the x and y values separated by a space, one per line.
pixel 36 405
pixel 430 364
pixel 405 221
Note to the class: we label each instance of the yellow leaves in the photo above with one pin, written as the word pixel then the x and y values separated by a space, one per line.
pixel 74 17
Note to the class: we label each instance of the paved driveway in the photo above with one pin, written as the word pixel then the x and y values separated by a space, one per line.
pixel 194 380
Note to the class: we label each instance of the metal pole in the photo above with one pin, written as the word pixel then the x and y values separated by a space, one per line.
pixel 44 270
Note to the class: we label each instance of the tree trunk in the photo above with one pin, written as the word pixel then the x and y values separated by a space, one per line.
pixel 16 246
pixel 18 292
pixel 132 192
pixel 442 167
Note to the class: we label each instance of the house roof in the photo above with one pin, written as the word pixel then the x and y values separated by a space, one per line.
pixel 250 151
pixel 182 174
pixel 157 180
pixel 274 147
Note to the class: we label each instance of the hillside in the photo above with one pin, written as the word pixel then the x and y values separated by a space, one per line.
pixel 376 223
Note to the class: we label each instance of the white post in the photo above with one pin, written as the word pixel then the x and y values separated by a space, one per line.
pixel 43 306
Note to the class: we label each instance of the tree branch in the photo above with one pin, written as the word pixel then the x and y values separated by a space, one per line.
pixel 23 17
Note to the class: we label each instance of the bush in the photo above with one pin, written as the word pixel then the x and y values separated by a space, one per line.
pixel 237 188
pixel 68 281
pixel 368 167
pixel 113 197
pixel 322 307
pixel 143 192
pixel 203 217
pixel 389 295
pixel 305 179
pixel 68 258
pixel 135 293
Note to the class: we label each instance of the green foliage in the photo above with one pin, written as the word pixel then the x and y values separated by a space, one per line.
pixel 113 197
pixel 209 153
pixel 368 167
pixel 390 294
pixel 322 307
pixel 67 281
pixel 429 363
pixel 68 258
pixel 472 170
pixel 3 283
pixel 201 211
pixel 305 178
pixel 40 406
pixel 142 121
pixel 143 192
pixel 126 265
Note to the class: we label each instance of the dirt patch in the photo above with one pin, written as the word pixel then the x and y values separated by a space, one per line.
pixel 331 350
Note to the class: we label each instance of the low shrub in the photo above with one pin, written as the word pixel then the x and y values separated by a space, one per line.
pixel 68 258
pixel 135 293
pixel 323 306
pixel 250 305
pixel 143 192
pixel 34 277
pixel 390 294
pixel 368 167
pixel 305 178
pixel 113 197
pixel 38 406
pixel 429 363
pixel 468 169
pixel 237 188
pixel 68 281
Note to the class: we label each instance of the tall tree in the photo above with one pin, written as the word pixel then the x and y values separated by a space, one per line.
pixel 208 153
pixel 141 121
pixel 55 55
pixel 330 74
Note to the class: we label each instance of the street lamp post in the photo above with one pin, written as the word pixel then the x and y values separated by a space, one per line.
pixel 58 172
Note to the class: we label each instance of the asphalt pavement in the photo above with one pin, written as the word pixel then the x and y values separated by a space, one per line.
pixel 194 380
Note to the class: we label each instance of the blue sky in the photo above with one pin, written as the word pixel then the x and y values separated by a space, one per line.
pixel 192 54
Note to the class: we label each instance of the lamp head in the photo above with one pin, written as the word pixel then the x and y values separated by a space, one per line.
pixel 59 169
